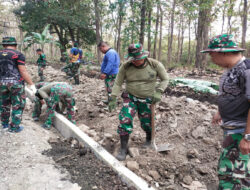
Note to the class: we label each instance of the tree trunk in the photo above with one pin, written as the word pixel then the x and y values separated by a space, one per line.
pixel 244 25
pixel 182 37
pixel 202 33
pixel 178 43
pixel 229 16
pixel 149 25
pixel 143 14
pixel 170 42
pixel 133 22
pixel 160 38
pixel 97 25
pixel 189 40
pixel 223 18
pixel 119 34
pixel 156 30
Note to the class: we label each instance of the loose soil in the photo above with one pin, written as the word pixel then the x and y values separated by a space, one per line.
pixel 183 119
pixel 85 169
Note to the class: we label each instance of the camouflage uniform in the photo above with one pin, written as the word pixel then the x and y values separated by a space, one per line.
pixel 12 95
pixel 233 105
pixel 41 62
pixel 109 83
pixel 72 70
pixel 11 86
pixel 37 102
pixel 131 105
pixel 59 92
pixel 233 168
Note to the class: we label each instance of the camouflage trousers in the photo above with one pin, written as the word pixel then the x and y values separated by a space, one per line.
pixel 63 93
pixel 72 70
pixel 233 167
pixel 12 96
pixel 37 108
pixel 132 105
pixel 109 83
pixel 40 73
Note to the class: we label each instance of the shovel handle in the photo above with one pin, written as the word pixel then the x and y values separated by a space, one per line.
pixel 152 107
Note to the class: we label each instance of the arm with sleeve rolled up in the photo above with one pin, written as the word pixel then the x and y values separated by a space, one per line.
pixel 25 75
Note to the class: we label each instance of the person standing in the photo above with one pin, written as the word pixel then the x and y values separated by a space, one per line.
pixel 233 112
pixel 109 67
pixel 75 60
pixel 140 75
pixel 13 73
pixel 41 63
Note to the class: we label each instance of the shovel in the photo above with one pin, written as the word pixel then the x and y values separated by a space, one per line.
pixel 161 147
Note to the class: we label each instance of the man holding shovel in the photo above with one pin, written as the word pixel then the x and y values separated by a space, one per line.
pixel 233 111
pixel 140 74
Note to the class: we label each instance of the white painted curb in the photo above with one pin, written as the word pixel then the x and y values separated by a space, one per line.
pixel 68 129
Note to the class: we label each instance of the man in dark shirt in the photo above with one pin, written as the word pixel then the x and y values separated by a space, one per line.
pixel 233 111
pixel 13 73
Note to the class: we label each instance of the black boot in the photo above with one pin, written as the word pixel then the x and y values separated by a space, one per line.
pixel 124 147
pixel 148 140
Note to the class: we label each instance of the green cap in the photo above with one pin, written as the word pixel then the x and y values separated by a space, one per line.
pixel 136 52
pixel 9 41
pixel 222 43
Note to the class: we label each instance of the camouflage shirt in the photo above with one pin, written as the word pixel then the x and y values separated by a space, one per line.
pixel 41 60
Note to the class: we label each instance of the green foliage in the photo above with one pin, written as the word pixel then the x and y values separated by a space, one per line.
pixel 70 20
pixel 40 38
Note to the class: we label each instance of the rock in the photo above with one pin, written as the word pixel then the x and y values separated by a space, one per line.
pixel 193 153
pixel 199 132
pixel 108 135
pixel 195 185
pixel 133 152
pixel 190 100
pixel 203 107
pixel 53 140
pixel 187 179
pixel 148 178
pixel 203 170
pixel 133 165
pixel 74 143
pixel 208 141
pixel 154 174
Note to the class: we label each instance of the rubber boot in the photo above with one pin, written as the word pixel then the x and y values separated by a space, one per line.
pixel 124 147
pixel 148 140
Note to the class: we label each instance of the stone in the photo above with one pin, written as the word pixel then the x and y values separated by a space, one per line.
pixel 53 140
pixel 199 132
pixel 133 152
pixel 108 135
pixel 203 170
pixel 208 141
pixel 132 165
pixel 187 179
pixel 193 153
pixel 195 185
pixel 154 174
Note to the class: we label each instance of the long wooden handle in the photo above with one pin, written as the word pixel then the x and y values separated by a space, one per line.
pixel 153 122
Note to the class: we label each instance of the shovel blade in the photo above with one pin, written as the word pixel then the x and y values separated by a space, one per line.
pixel 164 147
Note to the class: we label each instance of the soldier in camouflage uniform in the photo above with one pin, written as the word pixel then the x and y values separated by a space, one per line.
pixel 140 74
pixel 233 112
pixel 37 102
pixel 53 93
pixel 41 63
pixel 13 73
pixel 109 67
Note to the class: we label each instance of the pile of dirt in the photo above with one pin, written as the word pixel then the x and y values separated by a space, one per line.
pixel 183 118
pixel 85 169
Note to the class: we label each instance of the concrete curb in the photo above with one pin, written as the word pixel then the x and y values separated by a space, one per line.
pixel 68 129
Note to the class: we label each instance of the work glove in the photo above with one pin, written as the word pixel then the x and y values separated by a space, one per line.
pixel 33 88
pixel 156 97
pixel 112 103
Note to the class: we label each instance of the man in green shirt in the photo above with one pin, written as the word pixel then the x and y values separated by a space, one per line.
pixel 41 62
pixel 140 75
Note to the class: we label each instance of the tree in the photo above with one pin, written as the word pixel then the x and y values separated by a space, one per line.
pixel 40 38
pixel 143 20
pixel 204 21
pixel 244 24
pixel 97 28
pixel 69 20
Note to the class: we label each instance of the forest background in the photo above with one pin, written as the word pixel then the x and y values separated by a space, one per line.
pixel 173 31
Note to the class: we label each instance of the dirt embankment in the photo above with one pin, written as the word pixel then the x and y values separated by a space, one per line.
pixel 183 118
